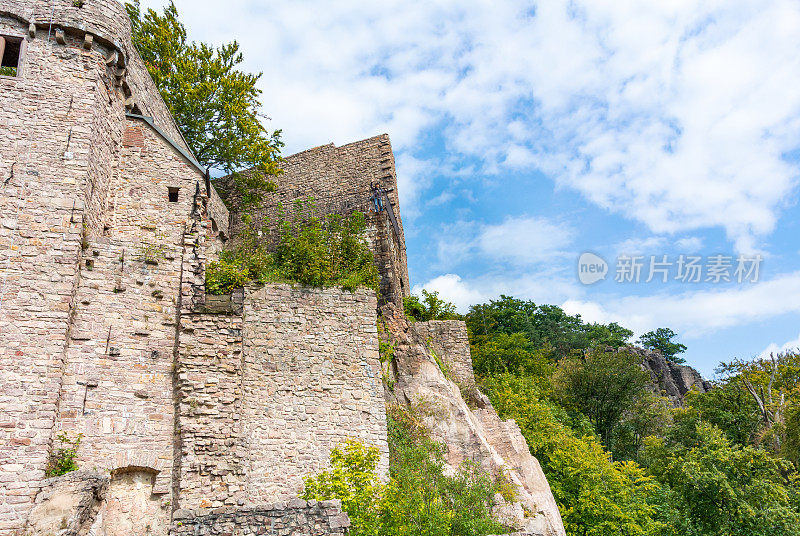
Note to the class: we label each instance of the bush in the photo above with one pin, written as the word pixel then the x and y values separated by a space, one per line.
pixel 317 251
pixel 223 276
pixel 354 480
pixel 311 250
pixel 419 498
pixel 431 307
pixel 62 459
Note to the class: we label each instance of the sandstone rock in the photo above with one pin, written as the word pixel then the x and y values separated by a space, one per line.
pixel 470 434
pixel 67 505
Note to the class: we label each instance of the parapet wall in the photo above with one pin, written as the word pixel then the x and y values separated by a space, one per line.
pixel 268 392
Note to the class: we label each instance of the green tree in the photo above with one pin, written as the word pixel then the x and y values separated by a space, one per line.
pixel 662 340
pixel 773 385
pixel 545 326
pixel 730 407
pixel 596 497
pixel 420 498
pixel 430 307
pixel 215 104
pixel 311 250
pixel 602 385
pixel 716 488
pixel 511 353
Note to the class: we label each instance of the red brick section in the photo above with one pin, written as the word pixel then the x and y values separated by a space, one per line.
pixel 133 137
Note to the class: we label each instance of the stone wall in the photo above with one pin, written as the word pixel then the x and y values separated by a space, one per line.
pixel 312 381
pixel 338 179
pixel 265 394
pixel 210 374
pixel 448 339
pixel 312 518
pixel 117 381
pixel 51 196
pixel 88 321
pixel 107 23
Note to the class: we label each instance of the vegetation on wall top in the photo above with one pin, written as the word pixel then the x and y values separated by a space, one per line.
pixel 311 250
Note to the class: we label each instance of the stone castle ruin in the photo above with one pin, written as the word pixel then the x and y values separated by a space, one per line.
pixel 197 414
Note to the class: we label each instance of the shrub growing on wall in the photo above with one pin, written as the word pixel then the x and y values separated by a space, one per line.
pixel 311 250
pixel 63 457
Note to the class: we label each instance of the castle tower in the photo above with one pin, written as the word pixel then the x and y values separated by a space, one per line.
pixel 94 202
pixel 105 331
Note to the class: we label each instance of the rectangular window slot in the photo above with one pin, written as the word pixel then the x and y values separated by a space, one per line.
pixel 173 195
pixel 11 53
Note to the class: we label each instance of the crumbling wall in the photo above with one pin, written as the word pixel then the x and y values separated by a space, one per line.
pixel 269 385
pixel 312 518
pixel 448 339
pixel 209 369
pixel 68 505
pixel 339 181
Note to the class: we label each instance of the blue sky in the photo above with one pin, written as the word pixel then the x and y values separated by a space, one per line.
pixel 527 133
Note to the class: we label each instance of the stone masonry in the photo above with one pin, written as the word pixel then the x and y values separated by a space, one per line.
pixel 268 391
pixel 339 181
pixel 195 413
pixel 299 517
pixel 73 203
pixel 106 224
pixel 449 341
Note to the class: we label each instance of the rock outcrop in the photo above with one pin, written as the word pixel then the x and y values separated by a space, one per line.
pixel 471 431
pixel 68 505
pixel 671 379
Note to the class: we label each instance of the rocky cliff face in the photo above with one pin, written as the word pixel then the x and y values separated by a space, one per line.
pixel 671 379
pixel 470 429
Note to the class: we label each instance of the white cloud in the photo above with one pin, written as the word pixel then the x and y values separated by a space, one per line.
pixel 524 240
pixel 542 287
pixel 696 313
pixel 773 348
pixel 636 246
pixel 453 289
pixel 520 241
pixel 690 245
pixel 676 114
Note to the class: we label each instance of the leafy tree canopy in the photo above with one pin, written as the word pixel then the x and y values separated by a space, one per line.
pixel 662 340
pixel 543 325
pixel 602 385
pixel 715 488
pixel 430 307
pixel 215 104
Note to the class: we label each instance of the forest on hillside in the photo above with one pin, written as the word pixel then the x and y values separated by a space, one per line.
pixel 619 458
